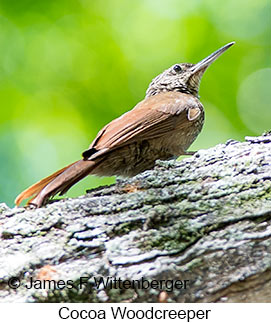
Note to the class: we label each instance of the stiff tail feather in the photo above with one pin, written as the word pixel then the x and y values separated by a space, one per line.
pixel 59 181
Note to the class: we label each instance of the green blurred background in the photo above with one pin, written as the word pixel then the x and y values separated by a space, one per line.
pixel 69 67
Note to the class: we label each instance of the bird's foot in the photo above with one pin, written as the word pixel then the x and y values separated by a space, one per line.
pixel 189 153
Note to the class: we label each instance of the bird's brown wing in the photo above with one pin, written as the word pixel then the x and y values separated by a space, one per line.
pixel 151 118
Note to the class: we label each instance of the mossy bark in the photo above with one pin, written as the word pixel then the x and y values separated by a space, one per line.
pixel 204 220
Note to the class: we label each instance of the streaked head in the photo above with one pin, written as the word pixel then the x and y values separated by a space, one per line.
pixel 184 77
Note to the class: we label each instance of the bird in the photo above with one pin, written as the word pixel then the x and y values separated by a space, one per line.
pixel 162 126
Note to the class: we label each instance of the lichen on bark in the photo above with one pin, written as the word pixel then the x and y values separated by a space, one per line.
pixel 205 219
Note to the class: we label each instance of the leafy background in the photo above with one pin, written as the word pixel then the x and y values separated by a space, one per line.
pixel 69 67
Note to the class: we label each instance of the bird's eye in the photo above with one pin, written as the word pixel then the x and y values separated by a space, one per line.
pixel 177 68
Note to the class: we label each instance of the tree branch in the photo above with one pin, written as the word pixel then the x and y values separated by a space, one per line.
pixel 204 221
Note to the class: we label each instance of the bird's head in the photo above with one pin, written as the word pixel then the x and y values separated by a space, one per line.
pixel 183 77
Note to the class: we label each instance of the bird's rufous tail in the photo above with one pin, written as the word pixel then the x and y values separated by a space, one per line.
pixel 58 182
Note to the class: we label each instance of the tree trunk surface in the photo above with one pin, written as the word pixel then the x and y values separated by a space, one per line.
pixel 196 230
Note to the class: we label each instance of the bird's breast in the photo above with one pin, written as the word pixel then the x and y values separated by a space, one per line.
pixel 176 118
pixel 186 131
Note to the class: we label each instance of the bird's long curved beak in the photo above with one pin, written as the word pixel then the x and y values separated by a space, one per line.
pixel 203 64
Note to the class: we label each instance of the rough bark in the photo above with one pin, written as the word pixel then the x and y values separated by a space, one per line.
pixel 205 219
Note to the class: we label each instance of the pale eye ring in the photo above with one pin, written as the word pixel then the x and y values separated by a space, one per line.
pixel 177 68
